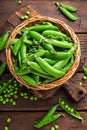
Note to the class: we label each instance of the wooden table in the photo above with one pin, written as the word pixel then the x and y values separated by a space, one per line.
pixel 26 112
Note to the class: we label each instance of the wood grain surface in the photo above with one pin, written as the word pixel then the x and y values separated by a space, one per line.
pixel 26 112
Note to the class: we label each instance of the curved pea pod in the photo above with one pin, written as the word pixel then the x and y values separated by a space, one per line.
pixel 67 13
pixel 21 71
pixel 61 55
pixel 41 28
pixel 16 47
pixel 50 61
pixel 39 53
pixel 48 117
pixel 70 110
pixel 85 70
pixel 23 51
pixel 29 80
pixel 45 76
pixel 59 34
pixel 36 67
pixel 68 65
pixel 48 47
pixel 69 7
pixel 36 35
pixel 2 68
pixel 61 63
pixel 3 41
pixel 61 44
pixel 48 68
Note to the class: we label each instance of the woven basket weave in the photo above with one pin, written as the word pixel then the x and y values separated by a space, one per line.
pixel 63 28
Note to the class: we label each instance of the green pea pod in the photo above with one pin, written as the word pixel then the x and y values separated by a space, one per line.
pixel 61 54
pixel 61 63
pixel 69 109
pixel 48 68
pixel 67 13
pixel 36 35
pixel 61 44
pixel 48 47
pixel 16 47
pixel 21 71
pixel 3 41
pixel 46 118
pixel 69 7
pixel 19 58
pixel 45 76
pixel 36 67
pixel 48 121
pixel 56 34
pixel 2 68
pixel 23 51
pixel 41 28
pixel 50 61
pixel 85 70
pixel 29 80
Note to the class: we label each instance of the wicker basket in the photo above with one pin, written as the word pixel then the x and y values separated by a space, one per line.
pixel 64 28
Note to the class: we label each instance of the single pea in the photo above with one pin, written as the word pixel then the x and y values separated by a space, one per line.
pixel 80 83
pixel 25 94
pixel 16 96
pixel 56 126
pixel 7 100
pixel 26 97
pixel 84 77
pixel 15 85
pixel 71 110
pixel 20 85
pixel 16 88
pixel 31 98
pixel 27 12
pixel 52 128
pixel 6 128
pixel 4 102
pixel 66 106
pixel 1 100
pixel 25 16
pixel 8 120
pixel 19 2
pixel 35 98
pixel 21 94
pixel 62 103
pixel 14 103
pixel 11 100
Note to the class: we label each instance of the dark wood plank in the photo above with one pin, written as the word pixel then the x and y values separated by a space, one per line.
pixel 25 121
pixel 6 10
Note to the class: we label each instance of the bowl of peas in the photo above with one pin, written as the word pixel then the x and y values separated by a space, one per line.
pixel 43 53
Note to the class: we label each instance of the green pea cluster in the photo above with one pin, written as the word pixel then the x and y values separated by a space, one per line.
pixel 55 127
pixel 23 17
pixel 10 93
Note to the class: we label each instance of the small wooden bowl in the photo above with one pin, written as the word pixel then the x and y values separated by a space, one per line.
pixel 63 28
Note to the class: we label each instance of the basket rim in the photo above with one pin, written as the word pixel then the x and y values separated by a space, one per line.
pixel 57 82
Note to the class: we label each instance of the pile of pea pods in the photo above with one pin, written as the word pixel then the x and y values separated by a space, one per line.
pixel 42 53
